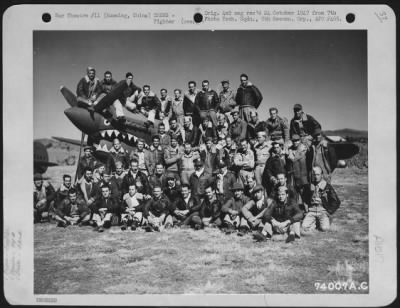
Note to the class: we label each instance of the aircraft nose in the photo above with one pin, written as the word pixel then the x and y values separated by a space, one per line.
pixel 82 119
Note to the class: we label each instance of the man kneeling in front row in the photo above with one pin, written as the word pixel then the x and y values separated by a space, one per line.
pixel 104 209
pixel 72 210
pixel 282 216
pixel 320 200
pixel 133 214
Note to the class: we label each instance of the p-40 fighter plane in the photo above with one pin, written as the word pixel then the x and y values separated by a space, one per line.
pixel 101 128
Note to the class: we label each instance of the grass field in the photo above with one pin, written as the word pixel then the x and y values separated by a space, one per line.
pixel 79 261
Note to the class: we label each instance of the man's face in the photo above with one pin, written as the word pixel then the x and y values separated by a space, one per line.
pixel 67 182
pixel 88 175
pixel 273 114
pixel 238 193
pixel 244 145
pixel 198 167
pixel 209 144
pixel 88 152
pixel 140 146
pixel 281 179
pixel 209 193
pixel 156 142
pixel 159 169
pixel 260 138
pixel 157 192
pixel 132 190
pixel 296 143
pixel 174 124
pixel 177 94
pixel 185 192
pixel 318 138
pixel 171 182
pixel 221 121
pixel 188 148
pixel 129 80
pixel 72 197
pixel 277 148
pixel 174 143
pixel 225 86
pixel 118 169
pixel 192 87
pixel 163 93
pixel 146 91
pixel 205 86
pixel 105 191
pixel 254 118
pixel 205 123
pixel 161 129
pixel 91 74
pixel 186 123
pixel 228 142
pixel 102 169
pixel 116 144
pixel 134 167
pixel 282 195
pixel 243 81
pixel 38 183
pixel 258 195
pixel 235 116
pixel 107 77
pixel 250 182
pixel 107 178
pixel 298 113
pixel 317 175
pixel 222 170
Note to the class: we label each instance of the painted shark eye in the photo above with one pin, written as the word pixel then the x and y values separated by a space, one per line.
pixel 106 122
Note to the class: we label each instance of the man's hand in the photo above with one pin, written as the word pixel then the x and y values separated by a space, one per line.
pixel 147 197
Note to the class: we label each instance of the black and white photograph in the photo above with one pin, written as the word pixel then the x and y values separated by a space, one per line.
pixel 203 162
pixel 200 162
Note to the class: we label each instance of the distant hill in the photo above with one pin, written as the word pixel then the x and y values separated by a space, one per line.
pixel 347 132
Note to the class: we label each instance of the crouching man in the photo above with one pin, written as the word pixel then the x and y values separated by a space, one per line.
pixel 320 200
pixel 156 211
pixel 282 216
pixel 104 209
pixel 184 206
pixel 254 210
pixel 232 210
pixel 133 205
pixel 72 210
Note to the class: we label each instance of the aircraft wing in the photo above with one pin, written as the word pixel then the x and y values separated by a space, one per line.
pixel 68 140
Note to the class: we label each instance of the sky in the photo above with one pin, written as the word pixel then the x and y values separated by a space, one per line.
pixel 324 70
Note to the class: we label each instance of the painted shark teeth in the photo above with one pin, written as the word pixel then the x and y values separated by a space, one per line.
pixel 113 133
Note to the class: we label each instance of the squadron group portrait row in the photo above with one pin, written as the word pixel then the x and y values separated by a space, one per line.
pixel 214 163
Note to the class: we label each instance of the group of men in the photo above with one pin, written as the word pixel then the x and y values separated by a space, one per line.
pixel 233 171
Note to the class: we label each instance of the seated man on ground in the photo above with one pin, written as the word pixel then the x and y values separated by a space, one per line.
pixel 210 211
pixel 254 210
pixel 232 210
pixel 132 215
pixel 156 211
pixel 43 197
pixel 320 201
pixel 72 210
pixel 184 206
pixel 283 216
pixel 105 209
pixel 62 192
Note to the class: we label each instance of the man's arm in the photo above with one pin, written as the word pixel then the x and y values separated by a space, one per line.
pixel 246 209
pixel 259 96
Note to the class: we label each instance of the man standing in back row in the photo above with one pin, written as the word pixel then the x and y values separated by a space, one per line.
pixel 248 97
